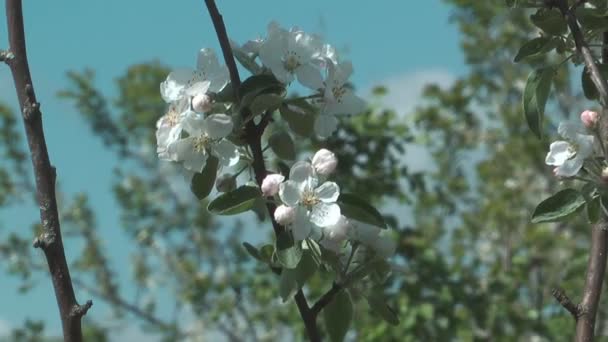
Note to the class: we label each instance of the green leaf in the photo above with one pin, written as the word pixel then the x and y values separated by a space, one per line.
pixel 289 253
pixel 299 121
pixel 236 201
pixel 558 206
pixel 282 145
pixel 377 303
pixel 337 316
pixel 252 251
pixel 265 102
pixel 248 62
pixel 592 19
pixel 202 183
pixel 550 21
pixel 356 208
pixel 266 253
pixel 288 285
pixel 535 97
pixel 258 84
pixel 593 210
pixel 306 268
pixel 589 88
pixel 533 47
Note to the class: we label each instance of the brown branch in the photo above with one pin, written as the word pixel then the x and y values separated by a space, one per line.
pixel 565 301
pixel 583 48
pixel 326 299
pixel 253 136
pixel 50 239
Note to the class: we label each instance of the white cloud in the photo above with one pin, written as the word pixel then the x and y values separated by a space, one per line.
pixel 405 90
pixel 5 328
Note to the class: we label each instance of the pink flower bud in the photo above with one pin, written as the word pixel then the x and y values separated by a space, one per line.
pixel 202 103
pixel 590 118
pixel 270 184
pixel 284 214
pixel 324 162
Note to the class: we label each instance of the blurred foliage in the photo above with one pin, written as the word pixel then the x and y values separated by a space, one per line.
pixel 469 265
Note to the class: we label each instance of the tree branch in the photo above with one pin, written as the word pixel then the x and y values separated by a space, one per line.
pixel 583 48
pixel 253 136
pixel 50 240
pixel 325 299
pixel 565 301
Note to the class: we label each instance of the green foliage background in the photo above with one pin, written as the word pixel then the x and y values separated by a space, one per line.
pixel 469 265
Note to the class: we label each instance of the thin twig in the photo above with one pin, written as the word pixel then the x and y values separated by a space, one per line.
pixel 325 299
pixel 50 240
pixel 565 301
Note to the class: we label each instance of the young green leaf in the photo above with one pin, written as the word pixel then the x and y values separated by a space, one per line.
pixel 282 145
pixel 338 315
pixel 264 102
pixel 356 208
pixel 535 97
pixel 589 88
pixel 533 47
pixel 289 253
pixel 202 183
pixel 258 84
pixel 550 20
pixel 252 251
pixel 558 206
pixel 236 201
pixel 377 303
pixel 287 284
pixel 306 268
pixel 300 122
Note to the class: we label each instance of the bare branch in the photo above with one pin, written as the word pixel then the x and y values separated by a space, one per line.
pixel 326 299
pixel 565 301
pixel 50 241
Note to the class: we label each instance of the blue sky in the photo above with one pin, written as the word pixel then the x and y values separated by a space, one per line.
pixel 390 42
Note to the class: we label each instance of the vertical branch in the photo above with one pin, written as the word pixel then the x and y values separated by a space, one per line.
pixel 50 240
pixel 253 136
pixel 586 311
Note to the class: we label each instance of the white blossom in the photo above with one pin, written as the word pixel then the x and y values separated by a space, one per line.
pixel 291 54
pixel 209 75
pixel 205 135
pixel 569 155
pixel 338 98
pixel 315 205
pixel 169 127
pixel 336 234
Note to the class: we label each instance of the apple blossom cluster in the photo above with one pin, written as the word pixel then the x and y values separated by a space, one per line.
pixel 309 207
pixel 188 133
pixel 198 123
pixel 293 54
pixel 568 156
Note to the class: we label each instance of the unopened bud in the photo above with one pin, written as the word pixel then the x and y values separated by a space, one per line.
pixel 605 175
pixel 270 184
pixel 590 118
pixel 324 162
pixel 225 183
pixel 202 103
pixel 284 214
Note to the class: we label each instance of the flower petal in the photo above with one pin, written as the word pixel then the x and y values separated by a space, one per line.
pixel 172 88
pixel 218 126
pixel 568 130
pixel 198 88
pixel 328 192
pixel 570 167
pixel 301 226
pixel 325 214
pixel 559 152
pixel 227 152
pixel 309 76
pixel 289 192
pixel 300 171
pixel 325 125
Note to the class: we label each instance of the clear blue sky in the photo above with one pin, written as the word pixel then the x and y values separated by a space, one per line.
pixel 388 41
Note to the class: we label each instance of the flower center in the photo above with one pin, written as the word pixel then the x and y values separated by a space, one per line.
pixel 172 117
pixel 200 143
pixel 309 199
pixel 338 92
pixel 291 61
pixel 572 150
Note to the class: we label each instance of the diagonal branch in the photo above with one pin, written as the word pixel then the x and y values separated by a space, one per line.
pixel 50 240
